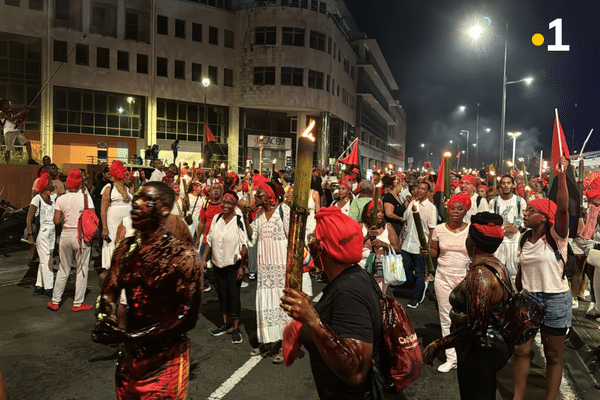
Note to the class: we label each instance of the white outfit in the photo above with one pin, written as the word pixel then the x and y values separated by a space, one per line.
pixel 311 222
pixel 270 238
pixel 45 241
pixel 178 207
pixel 428 214
pixel 346 208
pixel 483 206
pixel 195 208
pixel 226 240
pixel 12 135
pixel 157 175
pixel 117 210
pixel 512 214
pixel 453 261
pixel 384 237
pixel 71 206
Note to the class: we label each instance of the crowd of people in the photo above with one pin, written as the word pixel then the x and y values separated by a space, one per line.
pixel 230 229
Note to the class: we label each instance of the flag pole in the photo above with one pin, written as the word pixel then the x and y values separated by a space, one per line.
pixel 348 148
pixel 586 140
pixel 559 135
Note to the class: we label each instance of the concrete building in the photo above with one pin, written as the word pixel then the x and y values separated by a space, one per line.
pixel 127 74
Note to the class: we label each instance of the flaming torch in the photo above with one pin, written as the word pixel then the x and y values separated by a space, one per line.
pixel 299 209
pixel 422 239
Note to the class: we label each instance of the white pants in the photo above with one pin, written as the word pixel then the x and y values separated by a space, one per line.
pixel 45 247
pixel 70 250
pixel 444 284
pixel 507 254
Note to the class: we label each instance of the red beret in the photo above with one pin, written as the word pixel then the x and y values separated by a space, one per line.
pixel 546 207
pixel 340 235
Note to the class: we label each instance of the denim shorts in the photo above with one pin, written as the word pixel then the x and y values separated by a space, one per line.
pixel 559 312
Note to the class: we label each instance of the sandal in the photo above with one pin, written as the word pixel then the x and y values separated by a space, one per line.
pixel 259 351
pixel 278 359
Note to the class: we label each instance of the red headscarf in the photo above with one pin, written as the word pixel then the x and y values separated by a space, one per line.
pixel 372 204
pixel 462 198
pixel 346 184
pixel 339 235
pixel 454 184
pixel 469 178
pixel 42 182
pixel 546 207
pixel 594 190
pixel 74 179
pixel 482 187
pixel 117 170
pixel 269 191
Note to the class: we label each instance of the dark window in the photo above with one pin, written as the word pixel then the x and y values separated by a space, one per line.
pixel 185 121
pixel 82 56
pixel 15 3
pixel 294 3
pixel 332 86
pixel 179 69
pixel 284 3
pixel 314 5
pixel 137 25
pixel 196 72
pixel 228 39
pixel 265 35
pixel 334 51
pixel 180 28
pixel 292 36
pixel 102 57
pixel 142 64
pixel 213 35
pixel 123 60
pixel 292 76
pixel 303 3
pixel 36 5
pixel 196 32
pixel 162 25
pixel 328 85
pixel 317 40
pixel 329 44
pixel 104 19
pixel 339 55
pixel 60 51
pixel 346 66
pixel 67 14
pixel 323 7
pixel 213 75
pixel 264 75
pixel 352 72
pixel 315 79
pixel 161 66
pixel 227 77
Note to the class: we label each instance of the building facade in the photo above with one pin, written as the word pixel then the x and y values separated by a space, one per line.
pixel 123 75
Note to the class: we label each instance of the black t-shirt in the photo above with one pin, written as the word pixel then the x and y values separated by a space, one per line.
pixel 350 306
pixel 398 210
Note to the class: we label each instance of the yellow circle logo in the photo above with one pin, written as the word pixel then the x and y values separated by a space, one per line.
pixel 537 39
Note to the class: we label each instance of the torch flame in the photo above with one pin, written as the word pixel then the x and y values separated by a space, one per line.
pixel 307 132
pixel 447 154
pixel 415 207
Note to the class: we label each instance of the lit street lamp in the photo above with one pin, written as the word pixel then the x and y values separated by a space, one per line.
pixel 423 145
pixel 514 136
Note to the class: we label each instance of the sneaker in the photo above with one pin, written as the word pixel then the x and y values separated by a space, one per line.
pixel 31 161
pixel 236 336
pixel 48 293
pixel 245 284
pixel 424 293
pixel 221 331
pixel 52 306
pixel 447 367
pixel 252 276
pixel 206 289
pixel 38 291
pixel 413 303
pixel 82 307
pixel 575 303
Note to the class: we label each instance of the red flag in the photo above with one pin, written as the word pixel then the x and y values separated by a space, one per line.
pixel 208 135
pixel 352 158
pixel 558 134
pixel 439 184
pixel 377 166
pixel 458 155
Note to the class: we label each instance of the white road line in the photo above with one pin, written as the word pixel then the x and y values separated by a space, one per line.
pixel 235 378
pixel 567 386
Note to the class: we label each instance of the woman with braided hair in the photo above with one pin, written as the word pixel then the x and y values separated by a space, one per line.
pixel 116 205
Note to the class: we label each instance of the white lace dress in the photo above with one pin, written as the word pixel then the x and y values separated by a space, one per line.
pixel 117 211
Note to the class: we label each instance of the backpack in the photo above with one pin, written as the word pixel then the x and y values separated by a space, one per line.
pixel 569 266
pixel 497 208
pixel 88 223
pixel 479 198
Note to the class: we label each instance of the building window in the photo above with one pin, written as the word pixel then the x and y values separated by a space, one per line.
pixel 292 36
pixel 264 75
pixel 179 69
pixel 196 72
pixel 60 51
pixel 329 45
pixel 346 66
pixel 352 72
pixel 338 90
pixel 102 57
pixel 15 3
pixel 227 77
pixel 185 121
pixel 36 5
pixel 162 66
pixel 122 60
pixel 162 25
pixel 137 25
pixel 82 54
pixel 294 3
pixel 334 51
pixel 213 35
pixel 284 3
pixel 332 86
pixel 180 28
pixel 196 32
pixel 104 18
pixel 339 55
pixel 213 75
pixel 292 76
pixel 314 5
pixel 317 40
pixel 304 4
pixel 322 7
pixel 97 113
pixel 142 64
pixel 67 14
pixel 228 39
pixel 265 35
pixel 328 84
pixel 315 79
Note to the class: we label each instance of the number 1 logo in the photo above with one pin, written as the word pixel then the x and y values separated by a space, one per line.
pixel 559 46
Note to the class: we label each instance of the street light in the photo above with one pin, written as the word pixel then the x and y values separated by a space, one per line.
pixel 467 132
pixel 206 84
pixel 423 145
pixel 514 136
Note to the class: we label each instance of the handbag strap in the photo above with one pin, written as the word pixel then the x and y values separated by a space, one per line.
pixel 196 202
pixel 497 275
pixel 85 201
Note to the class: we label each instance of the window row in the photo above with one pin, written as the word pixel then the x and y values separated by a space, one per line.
pixel 185 121
pixel 180 72
pixel 33 4
pixel 315 5
pixel 225 4
pixel 162 28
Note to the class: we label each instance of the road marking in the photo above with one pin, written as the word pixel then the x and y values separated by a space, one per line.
pixel 567 386
pixel 235 378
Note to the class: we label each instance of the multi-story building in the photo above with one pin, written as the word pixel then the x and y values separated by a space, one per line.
pixel 127 74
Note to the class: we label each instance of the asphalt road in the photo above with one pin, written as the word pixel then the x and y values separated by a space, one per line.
pixel 50 355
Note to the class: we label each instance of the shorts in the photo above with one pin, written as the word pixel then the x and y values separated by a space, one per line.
pixel 14 137
pixel 559 312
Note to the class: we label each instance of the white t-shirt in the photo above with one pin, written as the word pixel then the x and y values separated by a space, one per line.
pixel 226 240
pixel 453 257
pixel 428 214
pixel 44 210
pixel 508 210
pixel 483 206
pixel 540 270
pixel 157 175
pixel 70 205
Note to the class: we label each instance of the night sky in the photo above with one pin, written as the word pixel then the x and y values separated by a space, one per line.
pixel 438 68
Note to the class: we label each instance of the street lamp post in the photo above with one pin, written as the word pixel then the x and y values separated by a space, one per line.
pixel 514 136
pixel 206 84
pixel 477 140
pixel 467 132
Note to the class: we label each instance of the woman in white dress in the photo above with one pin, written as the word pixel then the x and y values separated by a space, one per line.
pixel 345 197
pixel 116 205
pixel 196 200
pixel 269 232
pixel 448 244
